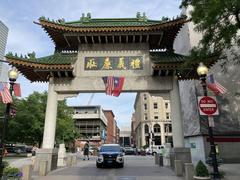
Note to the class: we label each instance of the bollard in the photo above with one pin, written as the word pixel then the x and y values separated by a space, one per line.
pixel 160 160
pixel 156 157
pixel 178 167
pixel 43 168
pixel 69 161
pixel 74 160
pixel 189 171
pixel 27 172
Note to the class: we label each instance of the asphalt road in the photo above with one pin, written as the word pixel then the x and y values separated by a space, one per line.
pixel 135 168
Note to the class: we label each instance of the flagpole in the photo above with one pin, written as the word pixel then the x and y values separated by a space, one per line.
pixel 12 74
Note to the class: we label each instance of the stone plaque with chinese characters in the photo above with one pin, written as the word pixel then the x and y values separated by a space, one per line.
pixel 114 63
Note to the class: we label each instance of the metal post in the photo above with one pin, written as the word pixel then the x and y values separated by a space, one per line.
pixel 213 153
pixel 5 125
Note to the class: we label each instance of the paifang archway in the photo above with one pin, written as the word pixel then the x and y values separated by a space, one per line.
pixel 139 49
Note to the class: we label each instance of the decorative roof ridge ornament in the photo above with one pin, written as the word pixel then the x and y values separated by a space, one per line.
pixel 28 57
pixel 87 18
pixel 141 18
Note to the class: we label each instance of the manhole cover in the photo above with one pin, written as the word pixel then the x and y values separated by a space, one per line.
pixel 126 178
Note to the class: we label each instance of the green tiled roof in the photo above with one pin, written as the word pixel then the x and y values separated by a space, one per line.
pixel 113 22
pixel 166 57
pixel 57 58
pixel 87 21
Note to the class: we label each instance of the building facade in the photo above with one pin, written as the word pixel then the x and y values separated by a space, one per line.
pixel 125 137
pixel 91 123
pixel 111 127
pixel 133 132
pixel 3 42
pixel 153 120
pixel 227 124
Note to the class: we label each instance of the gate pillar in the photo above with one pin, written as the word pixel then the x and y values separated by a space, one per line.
pixel 50 117
pixel 48 152
pixel 179 152
pixel 176 115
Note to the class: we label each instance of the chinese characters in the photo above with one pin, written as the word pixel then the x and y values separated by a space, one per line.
pixel 114 63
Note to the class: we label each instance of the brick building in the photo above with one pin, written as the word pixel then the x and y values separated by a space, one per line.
pixel 111 127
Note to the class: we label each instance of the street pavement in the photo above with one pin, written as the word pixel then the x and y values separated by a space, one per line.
pixel 136 168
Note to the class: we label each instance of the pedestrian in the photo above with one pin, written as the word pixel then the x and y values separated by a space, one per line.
pixel 86 151
pixel 5 152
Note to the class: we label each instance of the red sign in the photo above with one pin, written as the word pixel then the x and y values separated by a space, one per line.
pixel 207 105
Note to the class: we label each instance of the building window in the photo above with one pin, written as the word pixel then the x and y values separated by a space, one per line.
pixel 145 106
pixel 146 129
pixel 145 116
pixel 168 128
pixel 156 128
pixel 166 105
pixel 144 96
pixel 167 115
pixel 155 117
pixel 155 105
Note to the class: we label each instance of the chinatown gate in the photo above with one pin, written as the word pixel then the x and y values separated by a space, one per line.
pixel 139 49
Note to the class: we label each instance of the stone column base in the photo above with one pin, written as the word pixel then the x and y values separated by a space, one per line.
pixel 49 155
pixel 183 154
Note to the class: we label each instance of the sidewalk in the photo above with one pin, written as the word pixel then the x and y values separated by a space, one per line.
pixel 232 171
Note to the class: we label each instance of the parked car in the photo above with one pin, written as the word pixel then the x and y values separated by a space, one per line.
pixel 110 155
pixel 155 149
pixel 129 151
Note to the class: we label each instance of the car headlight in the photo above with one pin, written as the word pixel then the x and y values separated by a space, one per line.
pixel 100 158
pixel 119 158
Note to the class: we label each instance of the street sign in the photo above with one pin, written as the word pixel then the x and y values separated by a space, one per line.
pixel 208 105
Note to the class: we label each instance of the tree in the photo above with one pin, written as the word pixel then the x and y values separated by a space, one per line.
pixel 28 125
pixel 65 131
pixel 219 22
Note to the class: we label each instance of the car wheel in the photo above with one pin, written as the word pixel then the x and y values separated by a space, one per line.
pixel 153 153
pixel 121 165
pixel 98 165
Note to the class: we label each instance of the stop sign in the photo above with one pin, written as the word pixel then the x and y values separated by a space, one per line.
pixel 207 105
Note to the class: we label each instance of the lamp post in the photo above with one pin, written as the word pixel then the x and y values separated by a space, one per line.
pixel 12 75
pixel 202 71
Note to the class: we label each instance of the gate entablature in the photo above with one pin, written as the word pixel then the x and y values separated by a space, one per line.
pixel 159 34
pixel 71 37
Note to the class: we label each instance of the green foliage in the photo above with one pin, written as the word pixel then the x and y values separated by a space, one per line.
pixel 222 174
pixel 201 169
pixel 219 22
pixel 5 164
pixel 28 125
pixel 66 131
pixel 12 172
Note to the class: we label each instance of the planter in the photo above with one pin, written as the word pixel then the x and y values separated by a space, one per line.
pixel 201 178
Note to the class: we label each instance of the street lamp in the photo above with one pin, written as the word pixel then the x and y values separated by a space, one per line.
pixel 12 75
pixel 202 71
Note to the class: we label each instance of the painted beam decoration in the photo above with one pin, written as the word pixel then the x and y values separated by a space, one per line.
pixel 114 63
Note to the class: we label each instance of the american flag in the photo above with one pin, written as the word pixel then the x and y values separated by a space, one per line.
pixel 5 94
pixel 214 86
pixel 109 84
pixel 113 85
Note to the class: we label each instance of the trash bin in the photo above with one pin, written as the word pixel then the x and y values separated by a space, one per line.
pixel 160 160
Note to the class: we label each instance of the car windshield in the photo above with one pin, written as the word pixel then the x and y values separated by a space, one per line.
pixel 110 149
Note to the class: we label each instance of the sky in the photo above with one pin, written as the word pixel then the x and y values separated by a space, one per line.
pixel 25 36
